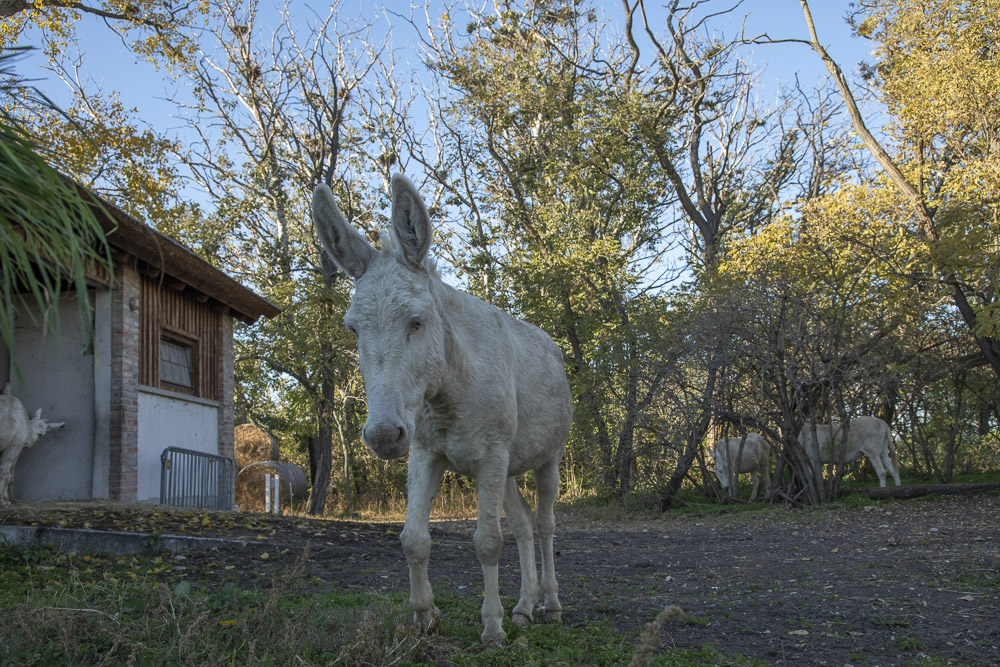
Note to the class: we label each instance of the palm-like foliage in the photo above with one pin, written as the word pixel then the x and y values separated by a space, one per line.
pixel 49 230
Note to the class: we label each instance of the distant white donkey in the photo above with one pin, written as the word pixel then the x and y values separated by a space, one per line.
pixel 17 431
pixel 461 386
pixel 869 436
pixel 754 458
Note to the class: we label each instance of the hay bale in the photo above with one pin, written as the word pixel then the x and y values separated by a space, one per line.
pixel 253 444
pixel 250 482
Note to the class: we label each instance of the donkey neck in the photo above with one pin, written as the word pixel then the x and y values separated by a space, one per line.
pixel 450 304
pixel 477 342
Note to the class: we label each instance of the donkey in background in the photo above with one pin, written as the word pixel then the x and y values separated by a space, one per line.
pixel 866 436
pixel 17 432
pixel 735 456
pixel 459 385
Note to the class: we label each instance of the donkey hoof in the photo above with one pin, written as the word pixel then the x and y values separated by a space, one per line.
pixel 520 620
pixel 488 637
pixel 428 622
pixel 552 616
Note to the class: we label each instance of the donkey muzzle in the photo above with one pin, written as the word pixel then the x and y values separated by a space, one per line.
pixel 388 438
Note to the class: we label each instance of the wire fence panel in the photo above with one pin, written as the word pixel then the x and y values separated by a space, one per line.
pixel 196 479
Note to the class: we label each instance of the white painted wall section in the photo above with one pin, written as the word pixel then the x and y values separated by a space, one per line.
pixel 170 420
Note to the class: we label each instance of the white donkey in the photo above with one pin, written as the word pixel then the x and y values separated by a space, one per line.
pixel 460 385
pixel 17 431
pixel 730 462
pixel 868 436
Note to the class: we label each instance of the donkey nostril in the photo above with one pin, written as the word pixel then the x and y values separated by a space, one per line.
pixel 384 435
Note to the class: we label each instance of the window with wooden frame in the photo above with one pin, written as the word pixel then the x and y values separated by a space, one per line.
pixel 179 341
pixel 178 362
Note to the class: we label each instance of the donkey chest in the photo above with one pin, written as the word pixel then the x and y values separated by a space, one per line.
pixel 463 442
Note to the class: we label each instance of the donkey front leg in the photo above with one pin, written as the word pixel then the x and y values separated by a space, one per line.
pixel 422 479
pixel 489 543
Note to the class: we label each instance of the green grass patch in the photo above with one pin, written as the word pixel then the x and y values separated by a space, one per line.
pixel 978 579
pixel 929 661
pixel 70 609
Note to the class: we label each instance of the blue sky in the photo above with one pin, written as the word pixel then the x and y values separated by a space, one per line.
pixel 109 63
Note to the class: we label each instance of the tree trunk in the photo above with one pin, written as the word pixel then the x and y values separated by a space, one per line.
pixel 625 458
pixel 321 453
pixel 917 490
pixel 955 439
pixel 694 441
pixel 984 420
pixel 348 484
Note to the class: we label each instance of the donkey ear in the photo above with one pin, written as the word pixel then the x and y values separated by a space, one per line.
pixel 347 248
pixel 410 221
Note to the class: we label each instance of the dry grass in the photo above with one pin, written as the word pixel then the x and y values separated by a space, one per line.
pixel 457 501
pixel 450 505
pixel 649 640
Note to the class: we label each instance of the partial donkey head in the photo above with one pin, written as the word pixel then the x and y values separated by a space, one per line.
pixel 40 427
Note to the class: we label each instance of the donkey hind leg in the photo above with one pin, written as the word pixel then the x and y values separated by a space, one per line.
pixel 488 539
pixel 547 480
pixel 887 462
pixel 423 477
pixel 876 462
pixel 8 457
pixel 519 518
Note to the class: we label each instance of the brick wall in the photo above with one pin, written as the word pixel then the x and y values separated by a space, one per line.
pixel 124 450
pixel 226 398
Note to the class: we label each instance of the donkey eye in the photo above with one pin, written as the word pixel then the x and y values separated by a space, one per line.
pixel 414 326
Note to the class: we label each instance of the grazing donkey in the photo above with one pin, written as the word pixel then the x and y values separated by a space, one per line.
pixel 730 462
pixel 461 386
pixel 868 436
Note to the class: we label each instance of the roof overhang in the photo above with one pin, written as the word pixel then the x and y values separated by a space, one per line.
pixel 159 255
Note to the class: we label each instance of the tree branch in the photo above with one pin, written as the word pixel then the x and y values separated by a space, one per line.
pixel 9 8
pixel 893 171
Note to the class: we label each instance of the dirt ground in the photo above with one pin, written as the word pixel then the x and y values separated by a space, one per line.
pixel 885 585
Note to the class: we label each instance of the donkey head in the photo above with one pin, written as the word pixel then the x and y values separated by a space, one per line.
pixel 720 455
pixel 393 312
pixel 40 427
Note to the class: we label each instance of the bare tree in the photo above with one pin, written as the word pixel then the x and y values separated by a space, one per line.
pixel 275 112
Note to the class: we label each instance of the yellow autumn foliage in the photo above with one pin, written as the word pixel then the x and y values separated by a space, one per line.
pixel 159 33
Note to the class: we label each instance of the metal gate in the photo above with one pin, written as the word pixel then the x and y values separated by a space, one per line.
pixel 196 479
